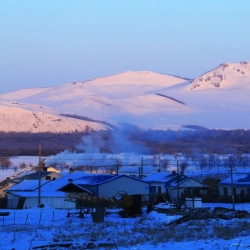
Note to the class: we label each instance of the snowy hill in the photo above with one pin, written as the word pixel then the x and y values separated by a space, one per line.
pixel 216 99
pixel 226 75
pixel 19 119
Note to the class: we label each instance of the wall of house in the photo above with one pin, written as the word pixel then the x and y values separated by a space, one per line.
pixel 157 188
pixel 123 184
pixel 93 189
pixel 227 191
pixel 53 175
pixel 55 202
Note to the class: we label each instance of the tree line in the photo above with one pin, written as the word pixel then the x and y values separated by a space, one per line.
pixel 130 139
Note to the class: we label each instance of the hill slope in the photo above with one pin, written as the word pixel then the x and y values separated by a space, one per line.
pixel 216 99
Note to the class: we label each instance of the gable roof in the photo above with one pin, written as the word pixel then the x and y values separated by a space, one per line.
pixel 175 180
pixel 238 179
pixel 26 185
pixel 61 182
pixel 98 179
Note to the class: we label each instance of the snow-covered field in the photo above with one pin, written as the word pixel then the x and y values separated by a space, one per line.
pixel 31 228
pixel 36 227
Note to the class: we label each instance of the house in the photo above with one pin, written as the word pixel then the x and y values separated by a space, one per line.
pixel 44 175
pixel 48 169
pixel 176 186
pixel 238 185
pixel 158 181
pixel 181 187
pixel 54 192
pixel 108 185
pixel 25 193
pixel 138 171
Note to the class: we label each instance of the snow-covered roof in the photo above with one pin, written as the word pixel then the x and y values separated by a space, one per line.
pixel 146 169
pixel 27 185
pixel 95 179
pixel 238 179
pixel 43 194
pixel 59 183
pixel 175 180
pixel 159 177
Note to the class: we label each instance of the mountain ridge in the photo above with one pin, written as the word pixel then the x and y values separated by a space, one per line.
pixel 216 99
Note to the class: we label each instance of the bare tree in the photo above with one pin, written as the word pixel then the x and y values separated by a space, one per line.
pixel 15 168
pixel 155 160
pixel 5 162
pixel 202 162
pixel 22 165
pixel 183 166
pixel 164 163
pixel 211 161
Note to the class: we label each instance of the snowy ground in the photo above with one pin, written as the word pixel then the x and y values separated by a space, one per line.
pixel 30 228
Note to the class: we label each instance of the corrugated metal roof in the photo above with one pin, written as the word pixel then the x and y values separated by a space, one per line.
pixel 95 179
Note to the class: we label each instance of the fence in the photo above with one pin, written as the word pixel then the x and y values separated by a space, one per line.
pixel 34 216
pixel 29 202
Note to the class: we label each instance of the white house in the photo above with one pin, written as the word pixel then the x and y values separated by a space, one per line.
pixel 54 193
pixel 175 186
pixel 108 185
pixel 238 184
pixel 25 194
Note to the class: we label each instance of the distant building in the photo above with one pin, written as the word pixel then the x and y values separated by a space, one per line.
pixel 137 171
pixel 175 186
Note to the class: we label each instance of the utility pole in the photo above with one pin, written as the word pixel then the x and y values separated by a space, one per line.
pixel 178 184
pixel 159 167
pixel 142 168
pixel 39 174
pixel 232 187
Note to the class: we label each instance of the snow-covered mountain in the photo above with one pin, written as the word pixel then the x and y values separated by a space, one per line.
pixel 20 118
pixel 216 99
pixel 226 75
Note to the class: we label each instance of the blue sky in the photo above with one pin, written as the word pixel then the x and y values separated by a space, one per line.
pixel 48 43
